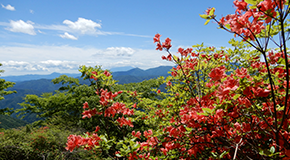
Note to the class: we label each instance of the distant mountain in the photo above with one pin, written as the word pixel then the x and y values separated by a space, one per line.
pixel 161 70
pixel 38 84
pixel 120 69
pixel 138 75
pixel 131 72
pixel 36 87
pixel 36 77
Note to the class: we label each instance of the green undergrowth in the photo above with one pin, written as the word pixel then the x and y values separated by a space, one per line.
pixel 41 143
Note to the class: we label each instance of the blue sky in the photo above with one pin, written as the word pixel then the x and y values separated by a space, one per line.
pixel 41 37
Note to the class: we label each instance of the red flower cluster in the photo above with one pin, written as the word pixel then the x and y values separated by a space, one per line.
pixel 184 52
pixel 94 75
pixel 218 73
pixel 167 44
pixel 138 134
pixel 118 108
pixel 201 128
pixel 249 22
pixel 75 141
pixel 214 111
pixel 124 122
pixel 106 97
pixel 108 74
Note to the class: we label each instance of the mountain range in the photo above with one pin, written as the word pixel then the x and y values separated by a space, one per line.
pixel 38 84
pixel 120 73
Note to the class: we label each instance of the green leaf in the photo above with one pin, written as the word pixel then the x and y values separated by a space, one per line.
pixel 272 149
pixel 124 146
pixel 204 16
pixel 207 110
pixel 224 153
pixel 205 114
pixel 264 152
pixel 214 155
pixel 206 22
pixel 228 26
pixel 136 146
pixel 261 152
pixel 281 61
pixel 253 2
pixel 279 108
pixel 211 13
pixel 236 96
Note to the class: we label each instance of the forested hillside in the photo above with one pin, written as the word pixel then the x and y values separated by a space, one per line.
pixel 39 86
pixel 10 122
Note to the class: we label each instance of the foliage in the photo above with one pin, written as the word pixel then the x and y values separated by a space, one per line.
pixel 113 113
pixel 38 87
pixel 35 87
pixel 224 103
pixel 9 122
pixel 3 91
pixel 46 142
pixel 218 105
pixel 64 102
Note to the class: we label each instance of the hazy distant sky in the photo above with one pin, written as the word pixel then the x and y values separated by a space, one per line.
pixel 40 37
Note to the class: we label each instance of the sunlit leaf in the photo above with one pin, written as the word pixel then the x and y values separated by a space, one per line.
pixel 211 13
pixel 204 16
pixel 206 22
pixel 272 149
pixel 253 2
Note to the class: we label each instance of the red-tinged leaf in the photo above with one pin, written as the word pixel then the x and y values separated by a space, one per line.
pixel 211 13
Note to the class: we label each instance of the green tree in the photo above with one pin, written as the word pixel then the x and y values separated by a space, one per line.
pixel 4 85
pixel 65 106
pixel 67 102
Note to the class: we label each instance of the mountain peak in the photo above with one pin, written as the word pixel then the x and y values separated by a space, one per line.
pixel 120 69
pixel 126 71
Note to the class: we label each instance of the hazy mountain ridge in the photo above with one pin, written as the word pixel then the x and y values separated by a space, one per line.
pixel 30 77
pixel 136 72
pixel 119 69
pixel 39 84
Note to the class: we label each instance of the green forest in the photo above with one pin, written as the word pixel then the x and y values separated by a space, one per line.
pixel 215 103
pixel 54 115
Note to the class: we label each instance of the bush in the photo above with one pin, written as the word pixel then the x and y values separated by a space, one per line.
pixel 39 143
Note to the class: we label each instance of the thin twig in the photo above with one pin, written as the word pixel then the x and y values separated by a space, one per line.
pixel 236 150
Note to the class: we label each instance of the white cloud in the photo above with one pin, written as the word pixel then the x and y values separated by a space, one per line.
pixel 82 25
pixel 68 36
pixel 116 52
pixel 21 26
pixel 60 64
pixel 31 11
pixel 52 62
pixel 39 31
pixel 15 63
pixel 34 59
pixel 8 7
pixel 48 65
pixel 22 65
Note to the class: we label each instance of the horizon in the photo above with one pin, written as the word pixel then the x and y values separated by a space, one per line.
pixel 117 70
pixel 41 37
